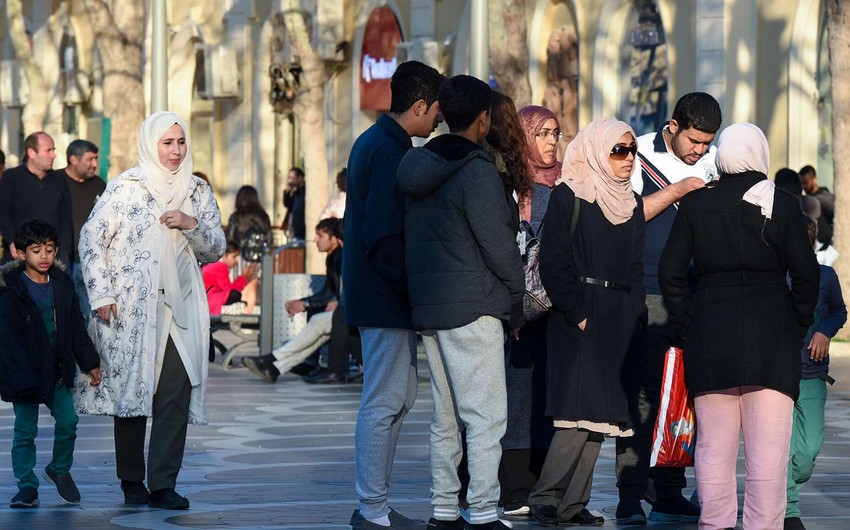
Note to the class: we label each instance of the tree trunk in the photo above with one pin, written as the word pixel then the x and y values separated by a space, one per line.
pixel 310 116
pixel 119 29
pixel 509 49
pixel 35 111
pixel 838 26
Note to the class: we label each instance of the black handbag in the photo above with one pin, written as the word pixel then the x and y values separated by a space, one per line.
pixel 536 302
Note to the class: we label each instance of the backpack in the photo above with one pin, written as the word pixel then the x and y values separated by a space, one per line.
pixel 255 245
pixel 535 302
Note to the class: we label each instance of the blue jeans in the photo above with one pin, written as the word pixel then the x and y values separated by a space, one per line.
pixel 80 289
pixel 389 391
pixel 26 429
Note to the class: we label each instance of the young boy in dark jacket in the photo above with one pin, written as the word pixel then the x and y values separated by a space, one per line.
pixel 807 436
pixel 42 337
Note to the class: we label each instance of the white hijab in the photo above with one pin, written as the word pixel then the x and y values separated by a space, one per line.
pixel 169 188
pixel 743 147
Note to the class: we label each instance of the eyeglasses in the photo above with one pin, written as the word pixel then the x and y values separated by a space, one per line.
pixel 545 133
pixel 621 152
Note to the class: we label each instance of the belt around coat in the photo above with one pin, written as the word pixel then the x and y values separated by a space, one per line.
pixel 605 283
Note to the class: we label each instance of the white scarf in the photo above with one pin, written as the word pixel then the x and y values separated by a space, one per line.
pixel 170 189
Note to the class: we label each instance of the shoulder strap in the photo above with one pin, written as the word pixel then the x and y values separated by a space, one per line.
pixel 574 220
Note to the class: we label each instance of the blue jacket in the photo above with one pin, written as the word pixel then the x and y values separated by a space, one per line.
pixel 830 316
pixel 26 361
pixel 373 270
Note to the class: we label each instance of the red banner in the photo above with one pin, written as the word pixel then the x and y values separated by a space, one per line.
pixel 378 59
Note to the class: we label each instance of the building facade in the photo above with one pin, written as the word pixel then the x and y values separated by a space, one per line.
pixel 232 74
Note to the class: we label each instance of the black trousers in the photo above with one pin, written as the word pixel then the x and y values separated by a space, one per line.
pixel 633 471
pixel 519 471
pixel 342 343
pixel 168 429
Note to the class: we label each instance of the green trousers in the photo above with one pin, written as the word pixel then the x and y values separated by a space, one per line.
pixel 26 429
pixel 806 440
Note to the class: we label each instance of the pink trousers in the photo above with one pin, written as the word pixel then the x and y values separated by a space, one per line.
pixel 766 418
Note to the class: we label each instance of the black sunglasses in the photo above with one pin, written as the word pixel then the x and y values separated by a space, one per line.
pixel 621 152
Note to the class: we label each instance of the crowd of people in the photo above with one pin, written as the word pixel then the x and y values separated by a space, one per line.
pixel 645 243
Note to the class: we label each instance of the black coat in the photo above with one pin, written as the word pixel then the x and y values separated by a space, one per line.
pixel 742 326
pixel 461 255
pixel 586 369
pixel 26 362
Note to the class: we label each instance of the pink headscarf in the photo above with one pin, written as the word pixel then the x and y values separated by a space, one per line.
pixel 588 172
pixel 532 118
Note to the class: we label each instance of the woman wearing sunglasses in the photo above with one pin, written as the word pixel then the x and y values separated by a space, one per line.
pixel 594 279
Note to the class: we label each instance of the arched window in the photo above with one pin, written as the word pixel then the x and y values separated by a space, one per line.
pixel 644 69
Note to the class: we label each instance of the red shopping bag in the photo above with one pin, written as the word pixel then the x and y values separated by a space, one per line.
pixel 674 438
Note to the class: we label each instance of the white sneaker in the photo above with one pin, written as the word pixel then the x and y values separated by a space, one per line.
pixel 518 512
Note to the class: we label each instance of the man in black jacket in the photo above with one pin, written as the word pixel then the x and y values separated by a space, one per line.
pixel 319 307
pixel 466 281
pixel 33 191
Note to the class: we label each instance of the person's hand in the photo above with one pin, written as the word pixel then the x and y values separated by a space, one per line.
pixel 582 324
pixel 106 312
pixel 250 271
pixel 689 184
pixel 95 376
pixel 818 346
pixel 176 219
pixel 294 307
pixel 331 305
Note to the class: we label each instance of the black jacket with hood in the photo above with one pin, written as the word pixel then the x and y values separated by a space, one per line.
pixel 461 254
pixel 26 361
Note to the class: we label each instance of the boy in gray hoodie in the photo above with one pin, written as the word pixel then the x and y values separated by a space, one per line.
pixel 466 283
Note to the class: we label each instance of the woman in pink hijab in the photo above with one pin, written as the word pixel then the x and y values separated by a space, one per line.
pixel 529 429
pixel 593 275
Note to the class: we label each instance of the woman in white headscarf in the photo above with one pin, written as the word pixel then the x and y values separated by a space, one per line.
pixel 742 327
pixel 140 250
pixel 593 274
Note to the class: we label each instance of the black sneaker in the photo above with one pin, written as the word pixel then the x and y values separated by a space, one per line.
pixel 584 518
pixel 263 368
pixel 65 486
pixel 545 515
pixel 793 523
pixel 135 492
pixel 27 497
pixel 303 369
pixel 436 524
pixel 630 512
pixel 397 522
pixel 168 499
pixel 676 510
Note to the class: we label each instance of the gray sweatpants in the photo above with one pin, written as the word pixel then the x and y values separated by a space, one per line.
pixel 468 383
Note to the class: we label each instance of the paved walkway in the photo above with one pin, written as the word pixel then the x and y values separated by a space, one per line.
pixel 282 456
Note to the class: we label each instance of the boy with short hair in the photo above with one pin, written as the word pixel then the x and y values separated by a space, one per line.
pixel 42 337
pixel 807 435
pixel 220 290
pixel 466 284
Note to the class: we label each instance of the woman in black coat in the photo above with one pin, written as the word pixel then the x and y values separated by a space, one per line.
pixel 594 279
pixel 742 327
pixel 250 226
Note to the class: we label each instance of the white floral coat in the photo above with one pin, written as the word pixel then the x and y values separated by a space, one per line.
pixel 120 247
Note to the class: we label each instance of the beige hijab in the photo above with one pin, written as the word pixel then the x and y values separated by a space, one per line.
pixel 588 173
